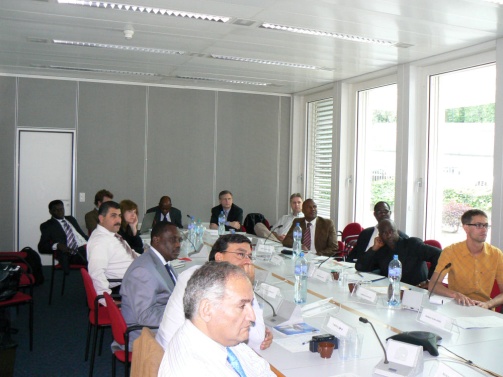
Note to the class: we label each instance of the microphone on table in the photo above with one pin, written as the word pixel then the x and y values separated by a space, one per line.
pixel 268 303
pixel 272 230
pixel 448 265
pixel 365 320
pixel 331 256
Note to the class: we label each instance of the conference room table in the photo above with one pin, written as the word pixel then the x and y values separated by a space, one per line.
pixel 480 345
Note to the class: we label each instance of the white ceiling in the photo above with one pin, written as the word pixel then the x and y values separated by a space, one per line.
pixel 432 27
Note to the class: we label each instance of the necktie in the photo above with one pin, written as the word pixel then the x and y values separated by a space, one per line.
pixel 170 272
pixel 71 242
pixel 234 362
pixel 126 246
pixel 306 237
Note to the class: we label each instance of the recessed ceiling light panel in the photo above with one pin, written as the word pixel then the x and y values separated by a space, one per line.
pixel 118 47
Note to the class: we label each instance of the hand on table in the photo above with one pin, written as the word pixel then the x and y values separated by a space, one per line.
pixel 267 340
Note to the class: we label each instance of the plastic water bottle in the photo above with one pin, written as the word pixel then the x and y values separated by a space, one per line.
pixel 297 240
pixel 394 276
pixel 191 233
pixel 300 288
pixel 221 223
pixel 199 233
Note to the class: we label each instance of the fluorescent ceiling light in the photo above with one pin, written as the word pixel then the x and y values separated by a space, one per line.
pixel 99 70
pixel 144 9
pixel 118 47
pixel 229 81
pixel 269 62
pixel 320 33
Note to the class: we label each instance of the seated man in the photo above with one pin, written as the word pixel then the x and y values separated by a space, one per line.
pixel 475 265
pixel 231 248
pixel 108 254
pixel 412 253
pixel 281 228
pixel 92 216
pixel 233 214
pixel 318 234
pixel 63 236
pixel 218 318
pixel 150 279
pixel 166 212
pixel 367 238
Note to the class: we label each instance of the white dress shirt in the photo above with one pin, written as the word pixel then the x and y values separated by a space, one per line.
pixel 192 353
pixel 286 221
pixel 107 259
pixel 80 240
pixel 174 316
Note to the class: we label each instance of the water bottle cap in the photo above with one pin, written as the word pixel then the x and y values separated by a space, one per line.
pixel 395 257
pixel 301 254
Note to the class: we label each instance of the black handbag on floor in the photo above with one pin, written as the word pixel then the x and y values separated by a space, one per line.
pixel 9 280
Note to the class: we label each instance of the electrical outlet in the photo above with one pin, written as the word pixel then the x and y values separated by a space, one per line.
pixel 82 197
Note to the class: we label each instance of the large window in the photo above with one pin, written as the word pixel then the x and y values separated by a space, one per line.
pixel 376 150
pixel 460 160
pixel 319 167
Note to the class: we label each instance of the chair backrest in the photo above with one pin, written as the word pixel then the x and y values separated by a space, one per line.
pixel 251 219
pixel 352 229
pixel 119 325
pixel 496 291
pixel 89 287
pixel 434 243
pixel 147 355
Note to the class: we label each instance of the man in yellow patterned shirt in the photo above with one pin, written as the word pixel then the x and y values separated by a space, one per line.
pixel 475 265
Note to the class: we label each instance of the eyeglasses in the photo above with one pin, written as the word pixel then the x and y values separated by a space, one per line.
pixel 240 255
pixel 480 225
pixel 383 212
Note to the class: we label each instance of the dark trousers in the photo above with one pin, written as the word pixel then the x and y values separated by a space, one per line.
pixel 66 259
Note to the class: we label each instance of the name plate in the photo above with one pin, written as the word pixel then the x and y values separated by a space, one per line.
pixel 445 371
pixel 264 248
pixel 269 290
pixel 322 275
pixel 366 294
pixel 339 328
pixel 276 260
pixel 436 319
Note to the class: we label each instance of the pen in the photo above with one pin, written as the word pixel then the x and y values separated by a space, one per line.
pixel 360 274
pixel 307 341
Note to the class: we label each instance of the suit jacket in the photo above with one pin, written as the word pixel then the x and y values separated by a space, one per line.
pixel 174 214
pixel 362 242
pixel 235 214
pixel 52 232
pixel 145 290
pixel 325 240
pixel 412 253
pixel 92 220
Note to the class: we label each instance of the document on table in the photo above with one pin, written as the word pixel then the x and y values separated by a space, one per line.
pixel 479 322
pixel 299 343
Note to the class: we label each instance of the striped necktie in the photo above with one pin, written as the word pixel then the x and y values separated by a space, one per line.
pixel 234 362
pixel 306 237
pixel 126 246
pixel 71 242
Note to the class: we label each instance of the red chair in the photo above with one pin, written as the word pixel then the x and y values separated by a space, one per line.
pixel 120 332
pixel 496 291
pixel 58 267
pixel 21 298
pixel 349 236
pixel 27 280
pixel 434 243
pixel 98 318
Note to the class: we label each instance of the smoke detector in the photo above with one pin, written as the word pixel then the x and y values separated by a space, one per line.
pixel 128 32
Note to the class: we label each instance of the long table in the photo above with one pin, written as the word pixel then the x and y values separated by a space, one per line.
pixel 481 346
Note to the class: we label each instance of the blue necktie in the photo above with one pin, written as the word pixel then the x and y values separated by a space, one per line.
pixel 233 360
pixel 170 272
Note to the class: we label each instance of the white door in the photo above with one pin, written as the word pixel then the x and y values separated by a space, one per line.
pixel 45 173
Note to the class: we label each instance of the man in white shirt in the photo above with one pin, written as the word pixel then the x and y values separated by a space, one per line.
pixel 219 314
pixel 108 254
pixel 282 226
pixel 231 248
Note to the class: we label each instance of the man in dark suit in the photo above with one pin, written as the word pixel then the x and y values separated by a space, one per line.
pixel 166 212
pixel 318 234
pixel 150 279
pixel 233 214
pixel 368 238
pixel 63 236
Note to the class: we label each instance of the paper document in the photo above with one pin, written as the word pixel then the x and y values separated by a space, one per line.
pixel 294 344
pixel 479 322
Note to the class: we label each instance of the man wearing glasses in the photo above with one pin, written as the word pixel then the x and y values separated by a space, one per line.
pixel 369 237
pixel 231 248
pixel 475 265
